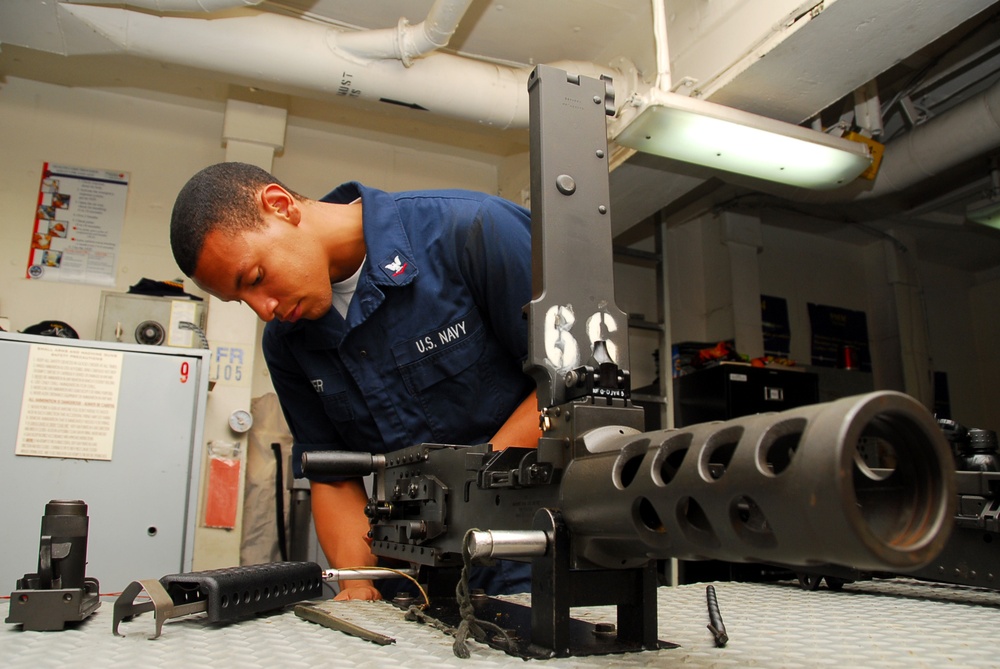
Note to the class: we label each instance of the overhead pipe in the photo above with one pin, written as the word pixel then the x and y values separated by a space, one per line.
pixel 176 5
pixel 406 42
pixel 293 56
pixel 964 132
pixel 660 45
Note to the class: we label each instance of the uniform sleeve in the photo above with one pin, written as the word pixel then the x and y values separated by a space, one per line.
pixel 496 264
pixel 311 429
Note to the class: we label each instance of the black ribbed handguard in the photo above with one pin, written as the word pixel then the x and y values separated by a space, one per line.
pixel 238 592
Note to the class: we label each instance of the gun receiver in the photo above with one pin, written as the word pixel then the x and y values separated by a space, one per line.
pixel 600 499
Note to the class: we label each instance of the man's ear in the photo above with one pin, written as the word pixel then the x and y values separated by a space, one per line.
pixel 277 201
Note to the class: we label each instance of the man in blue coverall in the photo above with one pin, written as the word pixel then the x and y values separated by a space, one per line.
pixel 392 319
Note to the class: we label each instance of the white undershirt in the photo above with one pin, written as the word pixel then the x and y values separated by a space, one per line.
pixel 343 291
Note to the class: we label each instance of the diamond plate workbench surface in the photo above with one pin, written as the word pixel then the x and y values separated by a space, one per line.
pixel 897 623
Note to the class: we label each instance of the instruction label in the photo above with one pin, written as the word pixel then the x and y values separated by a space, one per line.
pixel 70 403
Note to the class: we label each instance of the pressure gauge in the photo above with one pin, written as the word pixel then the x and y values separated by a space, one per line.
pixel 240 421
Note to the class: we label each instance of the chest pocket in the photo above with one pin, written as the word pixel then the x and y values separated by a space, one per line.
pixel 444 353
pixel 332 390
pixel 338 407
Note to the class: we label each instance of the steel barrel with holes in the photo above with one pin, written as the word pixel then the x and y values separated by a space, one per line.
pixel 789 488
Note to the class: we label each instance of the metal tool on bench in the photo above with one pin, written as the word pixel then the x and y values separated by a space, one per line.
pixel 314 614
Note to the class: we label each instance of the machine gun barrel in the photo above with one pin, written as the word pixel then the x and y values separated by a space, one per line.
pixel 787 488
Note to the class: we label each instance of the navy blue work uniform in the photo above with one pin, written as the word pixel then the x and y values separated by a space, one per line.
pixel 432 348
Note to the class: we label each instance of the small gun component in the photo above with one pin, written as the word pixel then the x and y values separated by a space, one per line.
pixel 317 615
pixel 715 624
pixel 366 574
pixel 59 592
pixel 224 594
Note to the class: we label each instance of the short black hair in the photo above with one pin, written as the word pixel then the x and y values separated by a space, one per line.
pixel 219 197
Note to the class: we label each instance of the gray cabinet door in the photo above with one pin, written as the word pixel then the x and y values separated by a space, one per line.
pixel 142 502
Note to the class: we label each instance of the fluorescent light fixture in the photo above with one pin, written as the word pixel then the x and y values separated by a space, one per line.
pixel 985 212
pixel 704 133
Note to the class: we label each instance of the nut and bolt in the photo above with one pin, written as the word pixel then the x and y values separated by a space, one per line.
pixel 605 631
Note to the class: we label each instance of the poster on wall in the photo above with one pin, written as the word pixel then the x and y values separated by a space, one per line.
pixel 78 225
pixel 839 338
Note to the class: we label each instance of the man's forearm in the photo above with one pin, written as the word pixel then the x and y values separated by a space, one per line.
pixel 342 527
pixel 522 428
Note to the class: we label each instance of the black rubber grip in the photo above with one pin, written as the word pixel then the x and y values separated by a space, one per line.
pixel 238 592
pixel 337 463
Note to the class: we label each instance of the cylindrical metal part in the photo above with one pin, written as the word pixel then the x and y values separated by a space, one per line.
pixel 299 522
pixel 340 463
pixel 62 556
pixel 373 574
pixel 483 544
pixel 788 488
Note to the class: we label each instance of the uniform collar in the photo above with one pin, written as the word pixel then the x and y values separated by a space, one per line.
pixel 390 255
pixel 389 262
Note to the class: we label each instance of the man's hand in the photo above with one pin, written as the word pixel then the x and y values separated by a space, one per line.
pixel 362 590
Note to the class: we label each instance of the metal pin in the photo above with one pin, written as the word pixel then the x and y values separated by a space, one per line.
pixel 715 625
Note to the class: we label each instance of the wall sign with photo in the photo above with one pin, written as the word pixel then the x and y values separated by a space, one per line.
pixel 78 225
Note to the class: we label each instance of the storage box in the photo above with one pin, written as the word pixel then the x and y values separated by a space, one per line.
pixel 155 321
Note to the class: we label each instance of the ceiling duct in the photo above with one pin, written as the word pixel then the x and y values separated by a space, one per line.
pixel 406 41
pixel 966 131
pixel 177 5
pixel 287 55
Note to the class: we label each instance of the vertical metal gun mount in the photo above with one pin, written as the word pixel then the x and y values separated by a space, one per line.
pixel 598 502
pixel 59 592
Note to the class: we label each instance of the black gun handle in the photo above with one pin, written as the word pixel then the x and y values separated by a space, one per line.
pixel 338 463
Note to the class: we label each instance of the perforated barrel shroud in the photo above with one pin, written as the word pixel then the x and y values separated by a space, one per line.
pixel 238 592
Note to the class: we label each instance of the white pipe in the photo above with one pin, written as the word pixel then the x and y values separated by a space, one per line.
pixel 660 42
pixel 406 42
pixel 175 5
pixel 294 56
pixel 969 130
pixel 441 22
